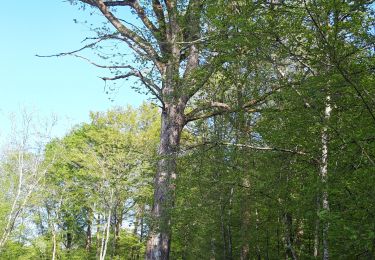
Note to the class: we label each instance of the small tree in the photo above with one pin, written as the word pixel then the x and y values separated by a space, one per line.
pixel 21 171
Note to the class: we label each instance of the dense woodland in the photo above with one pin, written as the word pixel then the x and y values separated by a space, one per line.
pixel 257 142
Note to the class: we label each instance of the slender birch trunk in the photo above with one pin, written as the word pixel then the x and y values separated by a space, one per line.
pixel 53 229
pixel 11 217
pixel 54 245
pixel 324 174
pixel 105 238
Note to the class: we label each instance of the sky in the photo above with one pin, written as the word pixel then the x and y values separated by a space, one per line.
pixel 66 87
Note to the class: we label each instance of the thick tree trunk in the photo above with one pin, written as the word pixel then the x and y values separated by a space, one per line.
pixel 172 122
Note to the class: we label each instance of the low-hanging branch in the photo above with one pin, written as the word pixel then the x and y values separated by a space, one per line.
pixel 256 147
pixel 223 108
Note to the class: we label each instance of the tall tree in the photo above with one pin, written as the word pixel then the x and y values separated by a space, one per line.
pixel 172 42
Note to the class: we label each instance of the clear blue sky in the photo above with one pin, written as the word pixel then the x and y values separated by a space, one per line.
pixel 65 86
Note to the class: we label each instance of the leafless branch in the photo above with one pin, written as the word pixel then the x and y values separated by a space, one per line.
pixel 104 66
pixel 151 86
pixel 222 108
pixel 90 45
pixel 129 34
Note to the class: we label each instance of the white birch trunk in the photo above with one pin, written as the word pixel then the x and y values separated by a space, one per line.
pixel 103 250
pixel 324 174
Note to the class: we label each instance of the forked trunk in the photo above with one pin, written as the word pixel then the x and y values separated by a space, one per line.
pixel 172 122
pixel 288 236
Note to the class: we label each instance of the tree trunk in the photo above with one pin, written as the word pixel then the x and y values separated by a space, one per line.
pixel 69 240
pixel 98 247
pixel 288 236
pixel 105 238
pixel 172 122
pixel 54 244
pixel 324 175
pixel 229 229
pixel 118 218
pixel 88 230
pixel 245 222
pixel 317 228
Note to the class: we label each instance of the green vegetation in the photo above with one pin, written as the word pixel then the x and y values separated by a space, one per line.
pixel 265 148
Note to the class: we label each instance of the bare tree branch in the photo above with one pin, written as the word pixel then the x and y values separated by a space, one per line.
pixel 130 35
pixel 103 66
pixel 222 108
pixel 151 86
pixel 265 148
pixel 110 3
pixel 159 13
pixel 217 113
pixel 90 45
pixel 254 147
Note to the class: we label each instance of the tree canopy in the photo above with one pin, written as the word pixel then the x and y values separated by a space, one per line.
pixel 258 142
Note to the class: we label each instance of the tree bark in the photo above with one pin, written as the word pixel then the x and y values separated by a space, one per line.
pixel 324 175
pixel 54 245
pixel 317 228
pixel 245 222
pixel 172 122
pixel 88 230
pixel 98 247
pixel 105 238
pixel 288 236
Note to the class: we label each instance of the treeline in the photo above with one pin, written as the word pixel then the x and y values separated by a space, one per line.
pixel 273 156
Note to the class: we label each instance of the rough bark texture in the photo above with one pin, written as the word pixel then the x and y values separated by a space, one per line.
pixel 158 244
pixel 177 35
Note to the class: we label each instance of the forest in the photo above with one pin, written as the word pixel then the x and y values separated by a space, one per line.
pixel 257 140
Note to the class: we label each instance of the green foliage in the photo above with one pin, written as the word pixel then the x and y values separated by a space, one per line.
pixel 250 170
